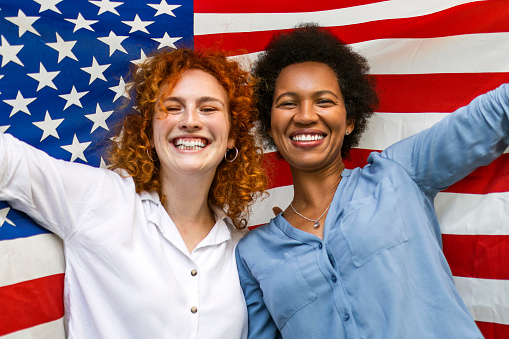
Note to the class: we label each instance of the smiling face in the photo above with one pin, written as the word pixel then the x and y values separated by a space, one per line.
pixel 308 116
pixel 191 125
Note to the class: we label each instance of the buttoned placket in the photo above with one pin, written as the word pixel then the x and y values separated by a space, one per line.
pixel 332 268
pixel 193 280
pixel 190 277
pixel 327 264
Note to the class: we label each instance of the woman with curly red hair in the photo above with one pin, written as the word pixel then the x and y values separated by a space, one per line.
pixel 149 243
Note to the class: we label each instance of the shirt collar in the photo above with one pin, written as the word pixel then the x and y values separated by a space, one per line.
pixel 220 232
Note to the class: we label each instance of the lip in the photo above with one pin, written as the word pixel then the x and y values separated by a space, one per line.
pixel 307 138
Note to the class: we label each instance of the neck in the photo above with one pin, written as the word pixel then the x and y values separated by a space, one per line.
pixel 313 194
pixel 315 189
pixel 187 204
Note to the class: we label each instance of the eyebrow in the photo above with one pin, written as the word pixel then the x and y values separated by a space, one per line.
pixel 200 100
pixel 294 94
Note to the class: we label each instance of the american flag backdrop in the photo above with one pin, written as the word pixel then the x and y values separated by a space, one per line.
pixel 63 71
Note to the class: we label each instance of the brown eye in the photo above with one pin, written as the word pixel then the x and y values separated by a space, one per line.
pixel 209 109
pixel 287 105
pixel 325 103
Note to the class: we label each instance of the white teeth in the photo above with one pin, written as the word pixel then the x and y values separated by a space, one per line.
pixel 186 144
pixel 307 137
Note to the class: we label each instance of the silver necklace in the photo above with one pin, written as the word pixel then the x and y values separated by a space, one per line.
pixel 316 222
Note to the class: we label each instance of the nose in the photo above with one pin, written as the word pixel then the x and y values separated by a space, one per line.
pixel 306 114
pixel 190 120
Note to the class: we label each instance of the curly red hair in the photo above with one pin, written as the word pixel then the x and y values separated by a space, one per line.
pixel 236 184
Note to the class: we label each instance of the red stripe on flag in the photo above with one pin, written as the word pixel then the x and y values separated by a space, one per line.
pixel 271 6
pixel 277 169
pixel 31 303
pixel 471 18
pixel 487 179
pixel 405 93
pixel 477 256
pixel 493 330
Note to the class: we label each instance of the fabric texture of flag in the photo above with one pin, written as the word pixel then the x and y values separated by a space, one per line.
pixel 63 72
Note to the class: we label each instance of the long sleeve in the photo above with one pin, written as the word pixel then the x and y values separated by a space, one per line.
pixel 55 193
pixel 260 322
pixel 472 136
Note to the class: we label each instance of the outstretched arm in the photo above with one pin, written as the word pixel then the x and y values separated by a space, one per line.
pixel 472 136
pixel 55 193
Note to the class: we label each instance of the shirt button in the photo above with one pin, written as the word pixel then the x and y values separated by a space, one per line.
pixel 320 246
pixel 194 272
pixel 334 279
pixel 194 309
pixel 346 317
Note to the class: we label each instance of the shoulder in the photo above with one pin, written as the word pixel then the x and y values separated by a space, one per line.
pixel 258 238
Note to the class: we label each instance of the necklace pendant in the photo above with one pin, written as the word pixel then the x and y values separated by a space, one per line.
pixel 316 224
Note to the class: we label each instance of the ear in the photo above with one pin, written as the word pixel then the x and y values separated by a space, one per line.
pixel 230 144
pixel 350 125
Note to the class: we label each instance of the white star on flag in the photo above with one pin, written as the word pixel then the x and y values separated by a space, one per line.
pixel 96 70
pixel 106 6
pixel 114 42
pixel 142 58
pixel 99 118
pixel 138 25
pixel 48 126
pixel 24 23
pixel 44 77
pixel 4 128
pixel 76 149
pixel 3 217
pixel 164 8
pixel 64 48
pixel 49 5
pixel 9 53
pixel 80 22
pixel 102 164
pixel 166 40
pixel 73 98
pixel 120 89
pixel 19 104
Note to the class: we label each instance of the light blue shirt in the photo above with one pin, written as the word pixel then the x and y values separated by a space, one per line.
pixel 379 271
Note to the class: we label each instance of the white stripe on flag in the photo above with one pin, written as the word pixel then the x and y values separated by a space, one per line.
pixel 385 129
pixel 45 250
pixel 471 214
pixel 213 23
pixel 486 299
pixel 453 54
pixel 262 210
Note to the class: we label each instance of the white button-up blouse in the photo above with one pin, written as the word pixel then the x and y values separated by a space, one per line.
pixel 128 273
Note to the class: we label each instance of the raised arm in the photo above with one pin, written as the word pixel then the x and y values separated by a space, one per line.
pixel 472 136
pixel 55 193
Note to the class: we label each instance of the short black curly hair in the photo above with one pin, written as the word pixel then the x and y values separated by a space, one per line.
pixel 310 42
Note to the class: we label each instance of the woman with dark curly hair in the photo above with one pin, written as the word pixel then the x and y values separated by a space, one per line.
pixel 357 254
pixel 149 251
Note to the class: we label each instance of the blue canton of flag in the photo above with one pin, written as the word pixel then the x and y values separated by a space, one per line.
pixel 63 73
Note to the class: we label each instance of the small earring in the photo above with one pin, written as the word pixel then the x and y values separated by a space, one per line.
pixel 236 154
pixel 347 132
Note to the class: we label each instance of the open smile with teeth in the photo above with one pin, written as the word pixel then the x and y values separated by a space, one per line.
pixel 307 137
pixel 190 144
